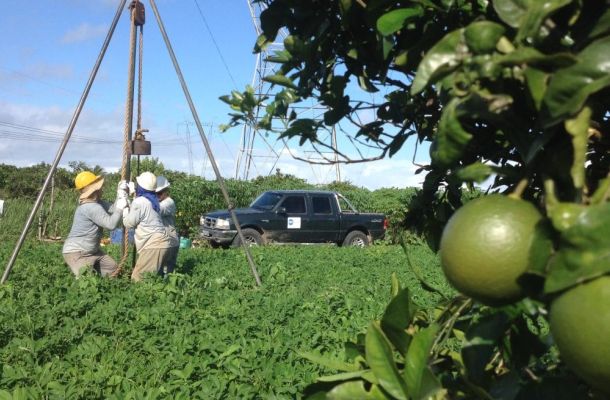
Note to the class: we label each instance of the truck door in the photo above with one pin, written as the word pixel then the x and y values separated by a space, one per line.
pixel 293 217
pixel 323 224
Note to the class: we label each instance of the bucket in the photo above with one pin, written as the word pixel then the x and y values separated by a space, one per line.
pixel 116 236
pixel 185 243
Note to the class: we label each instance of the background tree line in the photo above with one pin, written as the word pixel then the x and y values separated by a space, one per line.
pixel 194 196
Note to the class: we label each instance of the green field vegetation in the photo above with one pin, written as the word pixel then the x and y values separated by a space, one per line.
pixel 206 332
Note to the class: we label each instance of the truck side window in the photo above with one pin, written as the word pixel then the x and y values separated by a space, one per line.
pixel 321 205
pixel 294 204
pixel 344 206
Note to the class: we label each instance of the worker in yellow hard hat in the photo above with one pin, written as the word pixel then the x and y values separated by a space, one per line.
pixel 152 240
pixel 93 215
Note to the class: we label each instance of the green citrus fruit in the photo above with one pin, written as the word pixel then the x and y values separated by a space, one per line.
pixel 580 324
pixel 488 245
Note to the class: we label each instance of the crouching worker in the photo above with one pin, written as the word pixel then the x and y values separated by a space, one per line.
pixel 82 247
pixel 168 216
pixel 151 238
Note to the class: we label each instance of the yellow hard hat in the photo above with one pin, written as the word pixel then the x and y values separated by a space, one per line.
pixel 85 179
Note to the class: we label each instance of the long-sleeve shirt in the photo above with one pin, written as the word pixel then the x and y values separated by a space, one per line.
pixel 168 215
pixel 90 220
pixel 150 233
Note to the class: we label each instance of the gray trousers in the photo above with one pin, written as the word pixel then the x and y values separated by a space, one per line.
pixel 170 264
pixel 100 262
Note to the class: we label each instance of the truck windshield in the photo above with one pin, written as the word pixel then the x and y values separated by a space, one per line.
pixel 266 201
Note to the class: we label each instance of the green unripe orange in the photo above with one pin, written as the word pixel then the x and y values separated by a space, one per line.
pixel 489 244
pixel 580 324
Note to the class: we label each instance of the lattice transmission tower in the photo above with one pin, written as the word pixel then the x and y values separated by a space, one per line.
pixel 259 154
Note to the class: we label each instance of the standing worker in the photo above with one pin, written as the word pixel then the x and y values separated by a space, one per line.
pixel 152 241
pixel 167 210
pixel 82 247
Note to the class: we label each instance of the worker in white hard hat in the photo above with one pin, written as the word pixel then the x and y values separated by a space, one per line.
pixel 82 247
pixel 152 241
pixel 167 210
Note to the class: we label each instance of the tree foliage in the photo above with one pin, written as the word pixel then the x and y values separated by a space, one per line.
pixel 515 91
pixel 508 89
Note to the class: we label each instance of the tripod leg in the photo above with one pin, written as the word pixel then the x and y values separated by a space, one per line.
pixel 64 143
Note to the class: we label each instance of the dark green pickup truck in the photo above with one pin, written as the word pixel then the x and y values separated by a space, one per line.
pixel 295 216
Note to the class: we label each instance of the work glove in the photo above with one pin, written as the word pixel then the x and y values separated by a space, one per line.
pixel 121 204
pixel 122 190
pixel 132 188
pixel 125 212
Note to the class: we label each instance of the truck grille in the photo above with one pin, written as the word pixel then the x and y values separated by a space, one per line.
pixel 209 222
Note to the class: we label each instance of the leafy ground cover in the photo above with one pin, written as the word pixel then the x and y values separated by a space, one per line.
pixel 206 332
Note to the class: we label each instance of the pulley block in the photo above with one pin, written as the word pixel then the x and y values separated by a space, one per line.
pixel 139 145
pixel 139 16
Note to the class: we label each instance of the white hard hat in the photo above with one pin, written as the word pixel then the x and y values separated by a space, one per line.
pixel 147 180
pixel 162 183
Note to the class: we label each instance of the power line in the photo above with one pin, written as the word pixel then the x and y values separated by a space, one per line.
pixel 216 44
pixel 29 133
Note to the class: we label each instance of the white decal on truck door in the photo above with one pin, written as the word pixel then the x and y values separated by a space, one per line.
pixel 294 222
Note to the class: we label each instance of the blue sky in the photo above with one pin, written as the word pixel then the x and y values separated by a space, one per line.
pixel 49 48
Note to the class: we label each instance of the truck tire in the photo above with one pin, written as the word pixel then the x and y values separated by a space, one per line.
pixel 356 238
pixel 251 236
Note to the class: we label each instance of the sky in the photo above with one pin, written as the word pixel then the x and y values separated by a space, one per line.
pixel 49 48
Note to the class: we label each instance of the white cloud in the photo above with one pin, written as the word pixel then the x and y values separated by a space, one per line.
pixel 94 130
pixel 83 33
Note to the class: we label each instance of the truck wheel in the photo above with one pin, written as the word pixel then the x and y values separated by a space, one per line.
pixel 356 238
pixel 251 236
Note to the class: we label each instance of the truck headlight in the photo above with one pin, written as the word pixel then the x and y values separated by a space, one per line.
pixel 222 223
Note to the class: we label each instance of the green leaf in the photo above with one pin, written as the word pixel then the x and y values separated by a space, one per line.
pixel 395 288
pixel 602 25
pixel 475 172
pixel 444 57
pixel 345 6
pixel 570 87
pixel 393 21
pixel 261 43
pixel 511 11
pixel 416 361
pixel 355 390
pixel 397 143
pixel 280 57
pixel 396 318
pixel 532 57
pixel 537 12
pixel 602 193
pixel 366 84
pixel 481 37
pixel 536 81
pixel 399 313
pixel 345 376
pixel 481 339
pixel 430 385
pixel 451 139
pixel 583 252
pixel 281 80
pixel 578 128
pixel 380 359
pixel 334 364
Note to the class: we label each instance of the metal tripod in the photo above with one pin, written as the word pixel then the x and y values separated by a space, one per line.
pixel 76 115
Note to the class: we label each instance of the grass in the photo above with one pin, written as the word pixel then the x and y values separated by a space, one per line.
pixel 206 332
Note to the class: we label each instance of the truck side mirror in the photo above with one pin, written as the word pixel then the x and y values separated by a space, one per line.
pixel 281 210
